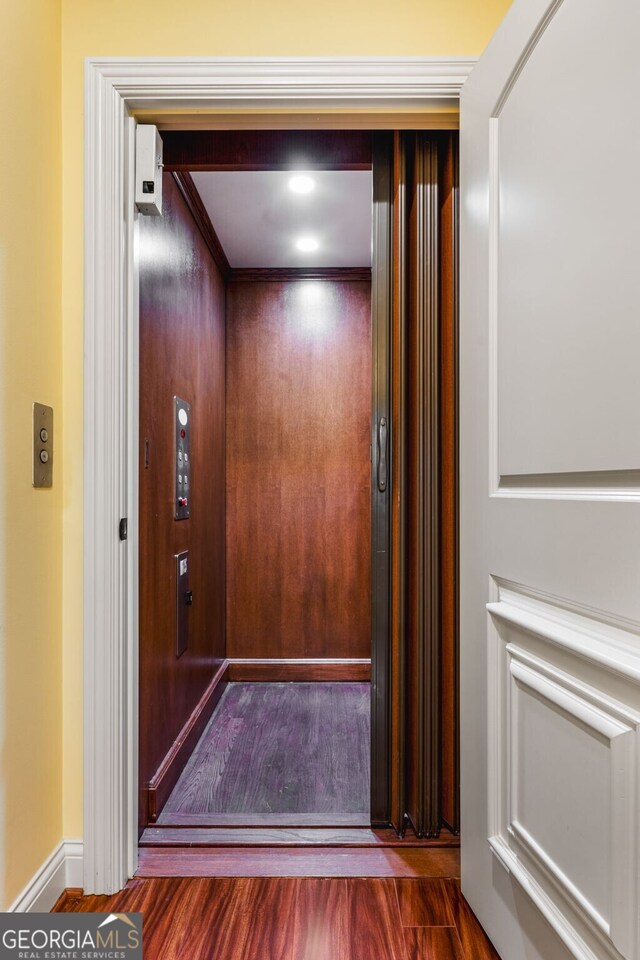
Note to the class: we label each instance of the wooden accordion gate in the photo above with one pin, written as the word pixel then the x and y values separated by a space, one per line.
pixel 424 755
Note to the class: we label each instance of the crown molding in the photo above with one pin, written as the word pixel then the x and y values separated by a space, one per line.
pixel 287 274
pixel 404 83
pixel 198 211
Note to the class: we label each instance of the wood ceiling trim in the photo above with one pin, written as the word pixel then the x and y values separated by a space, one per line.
pixel 263 274
pixel 229 120
pixel 199 213
pixel 267 150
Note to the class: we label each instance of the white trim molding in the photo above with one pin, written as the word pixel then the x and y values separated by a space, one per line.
pixel 179 83
pixel 61 869
pixel 114 89
pixel 583 665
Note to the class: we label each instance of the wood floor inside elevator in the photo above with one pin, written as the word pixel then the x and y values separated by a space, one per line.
pixel 276 755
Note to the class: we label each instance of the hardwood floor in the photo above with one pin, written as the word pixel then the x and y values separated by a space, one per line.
pixel 278 751
pixel 298 919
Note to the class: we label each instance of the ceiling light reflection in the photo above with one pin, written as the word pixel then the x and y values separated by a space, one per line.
pixel 302 183
pixel 307 244
pixel 314 317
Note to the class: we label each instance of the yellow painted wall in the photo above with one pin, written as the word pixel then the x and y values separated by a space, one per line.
pixel 202 28
pixel 30 369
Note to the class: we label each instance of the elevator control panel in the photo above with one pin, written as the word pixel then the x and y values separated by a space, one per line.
pixel 184 599
pixel 182 447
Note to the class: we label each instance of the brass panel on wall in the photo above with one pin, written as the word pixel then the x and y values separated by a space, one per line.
pixel 42 471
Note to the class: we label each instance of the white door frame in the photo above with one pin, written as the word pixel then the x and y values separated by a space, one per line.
pixel 114 89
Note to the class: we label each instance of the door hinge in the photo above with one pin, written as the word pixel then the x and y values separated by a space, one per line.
pixel 123 528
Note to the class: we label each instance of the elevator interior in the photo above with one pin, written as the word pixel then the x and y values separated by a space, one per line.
pixel 255 495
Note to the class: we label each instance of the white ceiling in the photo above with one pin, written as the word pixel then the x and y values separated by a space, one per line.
pixel 258 217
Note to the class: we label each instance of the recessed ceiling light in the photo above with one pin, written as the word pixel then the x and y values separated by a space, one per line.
pixel 307 244
pixel 302 183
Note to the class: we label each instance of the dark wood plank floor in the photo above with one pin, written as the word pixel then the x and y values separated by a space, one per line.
pixel 274 750
pixel 299 919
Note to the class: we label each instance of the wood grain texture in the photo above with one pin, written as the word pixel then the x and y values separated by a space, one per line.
pixel 356 671
pixel 398 631
pixel 423 481
pixel 286 919
pixel 298 469
pixel 198 211
pixel 449 683
pixel 165 835
pixel 434 943
pixel 475 942
pixel 298 862
pixel 385 735
pixel 423 637
pixel 65 901
pixel 266 820
pixel 182 352
pixel 245 919
pixel 280 748
pixel 267 150
pixel 356 919
pixel 424 903
pixel 192 835
pixel 346 120
pixel 261 274
pixel 169 771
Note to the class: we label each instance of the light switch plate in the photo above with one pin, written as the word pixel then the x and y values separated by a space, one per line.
pixel 182 604
pixel 42 475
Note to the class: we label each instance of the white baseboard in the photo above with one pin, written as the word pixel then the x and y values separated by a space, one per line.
pixel 61 869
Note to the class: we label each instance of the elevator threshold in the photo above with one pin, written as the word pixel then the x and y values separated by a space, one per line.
pixel 173 836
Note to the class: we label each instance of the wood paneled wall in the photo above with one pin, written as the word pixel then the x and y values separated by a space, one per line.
pixel 298 469
pixel 182 352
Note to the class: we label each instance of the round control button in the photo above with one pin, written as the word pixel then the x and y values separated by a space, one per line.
pixel 44 456
pixel 44 435
pixel 182 417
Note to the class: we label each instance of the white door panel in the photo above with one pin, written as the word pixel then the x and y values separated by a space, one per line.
pixel 550 481
pixel 567 155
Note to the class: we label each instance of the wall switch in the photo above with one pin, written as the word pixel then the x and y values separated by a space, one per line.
pixel 184 599
pixel 148 170
pixel 42 475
